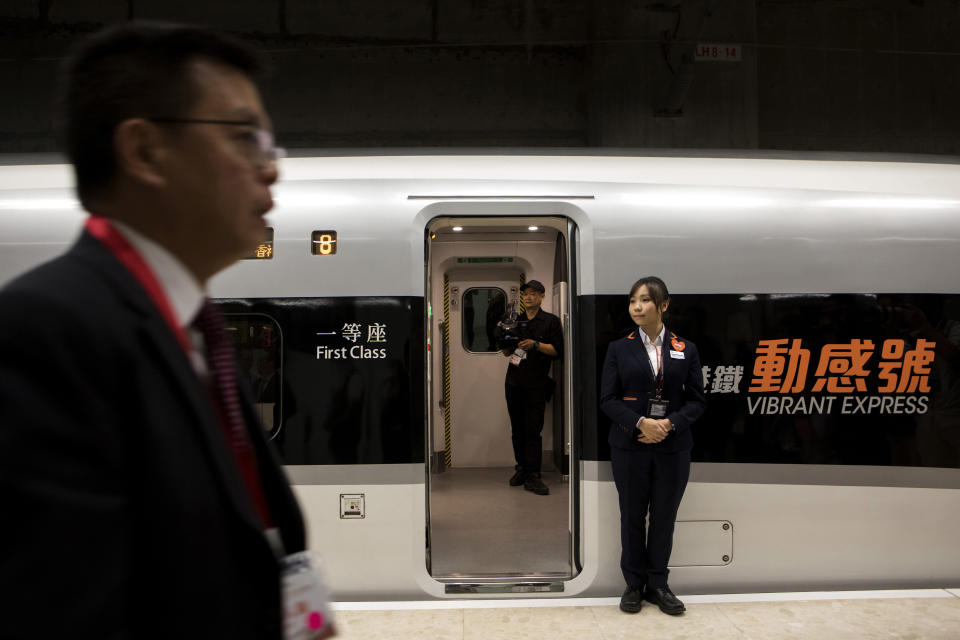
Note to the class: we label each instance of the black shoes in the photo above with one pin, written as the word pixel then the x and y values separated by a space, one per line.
pixel 531 482
pixel 633 597
pixel 632 600
pixel 663 598
pixel 535 484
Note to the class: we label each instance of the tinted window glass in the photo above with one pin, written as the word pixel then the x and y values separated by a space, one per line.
pixel 257 341
pixel 483 307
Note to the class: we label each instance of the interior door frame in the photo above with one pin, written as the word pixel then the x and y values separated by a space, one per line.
pixel 553 214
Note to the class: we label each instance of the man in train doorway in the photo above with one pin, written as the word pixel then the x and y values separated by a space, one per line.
pixel 141 497
pixel 528 385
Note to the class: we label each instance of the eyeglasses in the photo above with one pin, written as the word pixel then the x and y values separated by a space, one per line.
pixel 259 148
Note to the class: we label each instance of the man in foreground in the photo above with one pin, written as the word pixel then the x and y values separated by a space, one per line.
pixel 141 498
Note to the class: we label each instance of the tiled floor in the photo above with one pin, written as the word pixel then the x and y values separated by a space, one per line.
pixel 933 614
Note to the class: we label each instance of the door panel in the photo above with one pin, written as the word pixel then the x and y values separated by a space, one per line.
pixel 481 434
pixel 480 527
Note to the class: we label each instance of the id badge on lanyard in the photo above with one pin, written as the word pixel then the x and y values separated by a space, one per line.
pixel 306 603
pixel 307 614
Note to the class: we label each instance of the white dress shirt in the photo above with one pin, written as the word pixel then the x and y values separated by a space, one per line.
pixel 184 293
pixel 653 348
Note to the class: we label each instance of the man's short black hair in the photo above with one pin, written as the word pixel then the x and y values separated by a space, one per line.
pixel 136 69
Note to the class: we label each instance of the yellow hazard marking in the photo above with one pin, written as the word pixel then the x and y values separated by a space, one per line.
pixel 447 394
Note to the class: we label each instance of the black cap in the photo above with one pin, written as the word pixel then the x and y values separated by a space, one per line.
pixel 532 284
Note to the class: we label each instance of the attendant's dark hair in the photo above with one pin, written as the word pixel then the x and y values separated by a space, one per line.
pixel 656 287
pixel 134 70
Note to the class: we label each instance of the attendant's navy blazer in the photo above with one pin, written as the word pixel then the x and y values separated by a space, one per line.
pixel 628 384
pixel 123 513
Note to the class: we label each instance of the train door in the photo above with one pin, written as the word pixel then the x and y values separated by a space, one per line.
pixel 483 532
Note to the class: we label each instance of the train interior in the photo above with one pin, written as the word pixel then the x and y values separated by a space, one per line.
pixel 480 529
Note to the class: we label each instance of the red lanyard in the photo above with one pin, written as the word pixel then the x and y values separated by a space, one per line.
pixel 101 229
pixel 658 373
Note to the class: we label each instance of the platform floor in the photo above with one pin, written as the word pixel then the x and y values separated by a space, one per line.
pixel 914 614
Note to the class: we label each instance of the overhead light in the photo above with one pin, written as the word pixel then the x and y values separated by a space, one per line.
pixel 533 228
pixel 458 228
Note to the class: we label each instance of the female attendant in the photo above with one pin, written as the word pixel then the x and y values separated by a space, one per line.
pixel 652 390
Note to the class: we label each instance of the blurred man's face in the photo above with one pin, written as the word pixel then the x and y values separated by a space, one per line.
pixel 532 299
pixel 220 180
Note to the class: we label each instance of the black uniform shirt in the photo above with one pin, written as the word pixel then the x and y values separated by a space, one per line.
pixel 532 371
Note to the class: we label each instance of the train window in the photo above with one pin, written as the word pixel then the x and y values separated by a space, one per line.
pixel 256 338
pixel 483 307
pixel 323 243
pixel 264 250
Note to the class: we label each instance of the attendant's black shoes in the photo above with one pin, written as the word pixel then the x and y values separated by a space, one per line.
pixel 535 484
pixel 664 598
pixel 631 600
pixel 518 478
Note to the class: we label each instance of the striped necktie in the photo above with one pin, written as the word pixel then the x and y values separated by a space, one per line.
pixel 226 396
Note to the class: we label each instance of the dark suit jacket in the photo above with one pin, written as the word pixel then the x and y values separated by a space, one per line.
pixel 627 384
pixel 123 513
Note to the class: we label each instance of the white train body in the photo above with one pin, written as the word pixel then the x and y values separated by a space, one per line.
pixel 783 501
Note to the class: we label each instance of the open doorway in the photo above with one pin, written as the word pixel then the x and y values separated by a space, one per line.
pixel 481 529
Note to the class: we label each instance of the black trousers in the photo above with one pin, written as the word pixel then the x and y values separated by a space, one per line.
pixel 648 482
pixel 526 406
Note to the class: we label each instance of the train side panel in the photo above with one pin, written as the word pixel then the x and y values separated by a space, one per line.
pixel 824 253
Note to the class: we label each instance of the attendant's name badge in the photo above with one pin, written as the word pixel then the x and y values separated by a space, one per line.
pixel 657 409
pixel 306 605
pixel 676 355
pixel 518 356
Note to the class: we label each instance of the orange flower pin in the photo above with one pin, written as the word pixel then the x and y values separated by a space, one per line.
pixel 678 345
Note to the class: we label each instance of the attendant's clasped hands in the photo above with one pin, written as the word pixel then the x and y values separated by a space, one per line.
pixel 652 431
